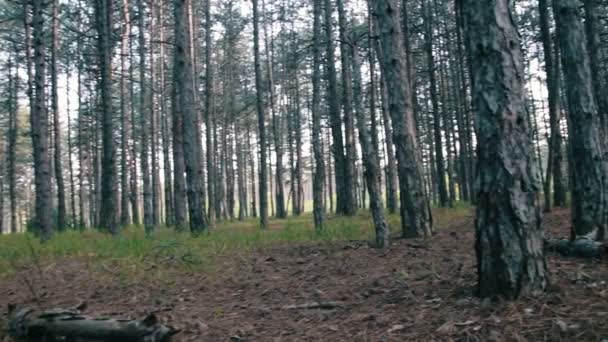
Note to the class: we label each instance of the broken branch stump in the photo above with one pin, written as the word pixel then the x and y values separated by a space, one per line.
pixel 62 325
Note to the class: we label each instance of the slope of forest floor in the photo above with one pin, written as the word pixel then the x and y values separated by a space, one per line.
pixel 416 291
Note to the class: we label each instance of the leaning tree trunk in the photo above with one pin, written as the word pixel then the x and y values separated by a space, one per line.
pixel 589 202
pixel 39 126
pixel 372 172
pixel 509 237
pixel 416 219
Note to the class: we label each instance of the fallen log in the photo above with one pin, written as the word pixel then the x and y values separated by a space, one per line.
pixel 585 248
pixel 67 325
pixel 313 305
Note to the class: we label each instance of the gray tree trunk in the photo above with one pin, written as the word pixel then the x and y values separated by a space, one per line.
pixel 350 207
pixel 416 219
pixel 108 212
pixel 144 112
pixel 439 160
pixel 509 237
pixel 13 131
pixel 263 169
pixel 589 202
pixel 211 179
pixel 61 209
pixel 372 171
pixel 39 126
pixel 317 145
pixel 593 30
pixel 183 105
pixel 125 217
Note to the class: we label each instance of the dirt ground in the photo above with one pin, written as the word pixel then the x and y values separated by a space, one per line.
pixel 416 291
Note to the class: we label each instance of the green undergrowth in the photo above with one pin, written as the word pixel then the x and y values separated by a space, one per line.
pixel 167 248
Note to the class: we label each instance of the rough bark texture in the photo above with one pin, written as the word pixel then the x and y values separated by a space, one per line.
pixel 509 238
pixel 263 168
pixel 183 105
pixel 40 123
pixel 415 210
pixel 317 145
pixel 589 166
pixel 60 325
pixel 372 172
pixel 593 30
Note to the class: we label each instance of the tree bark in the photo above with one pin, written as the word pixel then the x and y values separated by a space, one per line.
pixel 594 47
pixel 589 165
pixel 61 209
pixel 439 160
pixel 263 181
pixel 350 205
pixel 416 219
pixel 509 237
pixel 39 126
pixel 125 217
pixel 61 324
pixel 183 102
pixel 372 171
pixel 211 177
pixel 13 131
pixel 317 145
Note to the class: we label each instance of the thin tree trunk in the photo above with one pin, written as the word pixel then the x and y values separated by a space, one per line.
pixel 61 210
pixel 125 218
pixel 144 112
pixel 509 238
pixel 263 181
pixel 317 144
pixel 39 127
pixel 371 161
pixel 211 178
pixel 13 131
pixel 438 144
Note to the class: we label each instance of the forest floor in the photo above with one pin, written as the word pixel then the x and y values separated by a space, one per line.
pixel 416 291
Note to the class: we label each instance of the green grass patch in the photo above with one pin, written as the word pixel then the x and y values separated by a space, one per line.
pixel 133 252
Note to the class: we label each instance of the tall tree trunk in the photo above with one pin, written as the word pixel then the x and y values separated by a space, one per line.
pixel 125 218
pixel 165 128
pixel 317 144
pixel 344 188
pixel 183 106
pixel 439 160
pixel 70 150
pixel 509 238
pixel 263 190
pixel 154 116
pixel 144 112
pixel 593 30
pixel 13 131
pixel 109 198
pixel 134 196
pixel 350 204
pixel 416 219
pixel 371 161
pixel 589 203
pixel 552 75
pixel 251 157
pixel 61 210
pixel 39 125
pixel 211 179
